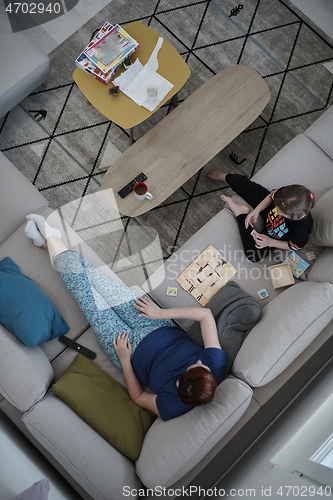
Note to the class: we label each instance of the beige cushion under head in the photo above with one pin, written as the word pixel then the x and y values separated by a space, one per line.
pixel 288 325
pixel 322 232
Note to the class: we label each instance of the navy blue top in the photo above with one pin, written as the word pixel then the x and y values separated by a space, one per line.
pixel 162 356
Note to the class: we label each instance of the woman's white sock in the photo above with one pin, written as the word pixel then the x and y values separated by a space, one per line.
pixel 32 232
pixel 43 226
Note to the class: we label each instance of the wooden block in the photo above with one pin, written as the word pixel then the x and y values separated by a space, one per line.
pixel 186 285
pixel 209 280
pixel 191 273
pixel 220 270
pixel 208 294
pixel 213 263
pixel 214 288
pixel 222 281
pixel 201 287
pixel 203 301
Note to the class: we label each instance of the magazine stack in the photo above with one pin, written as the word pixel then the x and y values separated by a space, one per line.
pixel 106 52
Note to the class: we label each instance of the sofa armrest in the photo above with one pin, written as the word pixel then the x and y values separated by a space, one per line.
pixel 25 372
pixel 18 197
pixel 288 325
pixel 92 462
pixel 183 441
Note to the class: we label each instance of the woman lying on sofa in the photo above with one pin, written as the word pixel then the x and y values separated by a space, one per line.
pixel 137 335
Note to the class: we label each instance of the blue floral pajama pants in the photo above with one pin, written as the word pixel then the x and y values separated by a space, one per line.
pixel 107 304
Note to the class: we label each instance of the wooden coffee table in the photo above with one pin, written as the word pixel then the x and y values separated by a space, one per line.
pixel 186 139
pixel 122 110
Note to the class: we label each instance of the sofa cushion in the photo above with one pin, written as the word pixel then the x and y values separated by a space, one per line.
pixel 172 448
pixel 84 454
pixel 25 310
pixel 322 212
pixel 25 372
pixel 322 269
pixel 321 132
pixel 105 405
pixel 288 325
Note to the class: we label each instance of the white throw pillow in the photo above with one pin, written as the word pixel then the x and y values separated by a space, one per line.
pixel 289 323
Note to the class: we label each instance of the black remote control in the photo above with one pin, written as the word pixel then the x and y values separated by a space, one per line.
pixel 129 187
pixel 77 347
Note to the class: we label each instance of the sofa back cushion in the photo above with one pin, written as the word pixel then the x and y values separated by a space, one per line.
pixel 321 132
pixel 288 325
pixel 322 269
pixel 322 212
pixel 18 197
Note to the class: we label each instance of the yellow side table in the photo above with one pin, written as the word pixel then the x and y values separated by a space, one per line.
pixel 122 110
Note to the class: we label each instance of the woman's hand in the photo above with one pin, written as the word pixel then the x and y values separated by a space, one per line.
pixel 262 241
pixel 251 218
pixel 148 308
pixel 122 346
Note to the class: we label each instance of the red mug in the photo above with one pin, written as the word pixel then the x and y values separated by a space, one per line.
pixel 140 191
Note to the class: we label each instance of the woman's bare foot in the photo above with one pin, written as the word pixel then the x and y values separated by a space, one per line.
pixel 217 175
pixel 236 208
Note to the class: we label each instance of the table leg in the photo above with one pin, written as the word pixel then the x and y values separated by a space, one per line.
pixel 175 100
pixel 131 136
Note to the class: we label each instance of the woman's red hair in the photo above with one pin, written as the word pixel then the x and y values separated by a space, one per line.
pixel 196 386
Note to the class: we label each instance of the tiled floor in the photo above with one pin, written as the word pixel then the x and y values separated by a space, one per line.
pixel 21 465
pixel 320 12
pixel 49 35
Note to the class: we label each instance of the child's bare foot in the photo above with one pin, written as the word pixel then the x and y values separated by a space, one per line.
pixel 236 208
pixel 217 175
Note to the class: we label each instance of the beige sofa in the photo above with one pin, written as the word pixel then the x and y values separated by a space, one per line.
pixel 295 322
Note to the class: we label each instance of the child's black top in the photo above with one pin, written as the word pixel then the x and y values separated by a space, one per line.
pixel 296 232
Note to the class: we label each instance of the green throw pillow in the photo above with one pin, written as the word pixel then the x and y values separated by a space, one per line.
pixel 105 405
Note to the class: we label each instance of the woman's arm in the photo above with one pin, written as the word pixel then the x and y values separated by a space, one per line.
pixel 252 217
pixel 142 398
pixel 204 316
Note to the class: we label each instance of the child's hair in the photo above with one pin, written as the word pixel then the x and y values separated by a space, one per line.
pixel 294 200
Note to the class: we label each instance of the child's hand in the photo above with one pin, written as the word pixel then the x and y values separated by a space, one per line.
pixel 148 308
pixel 122 346
pixel 262 240
pixel 251 218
